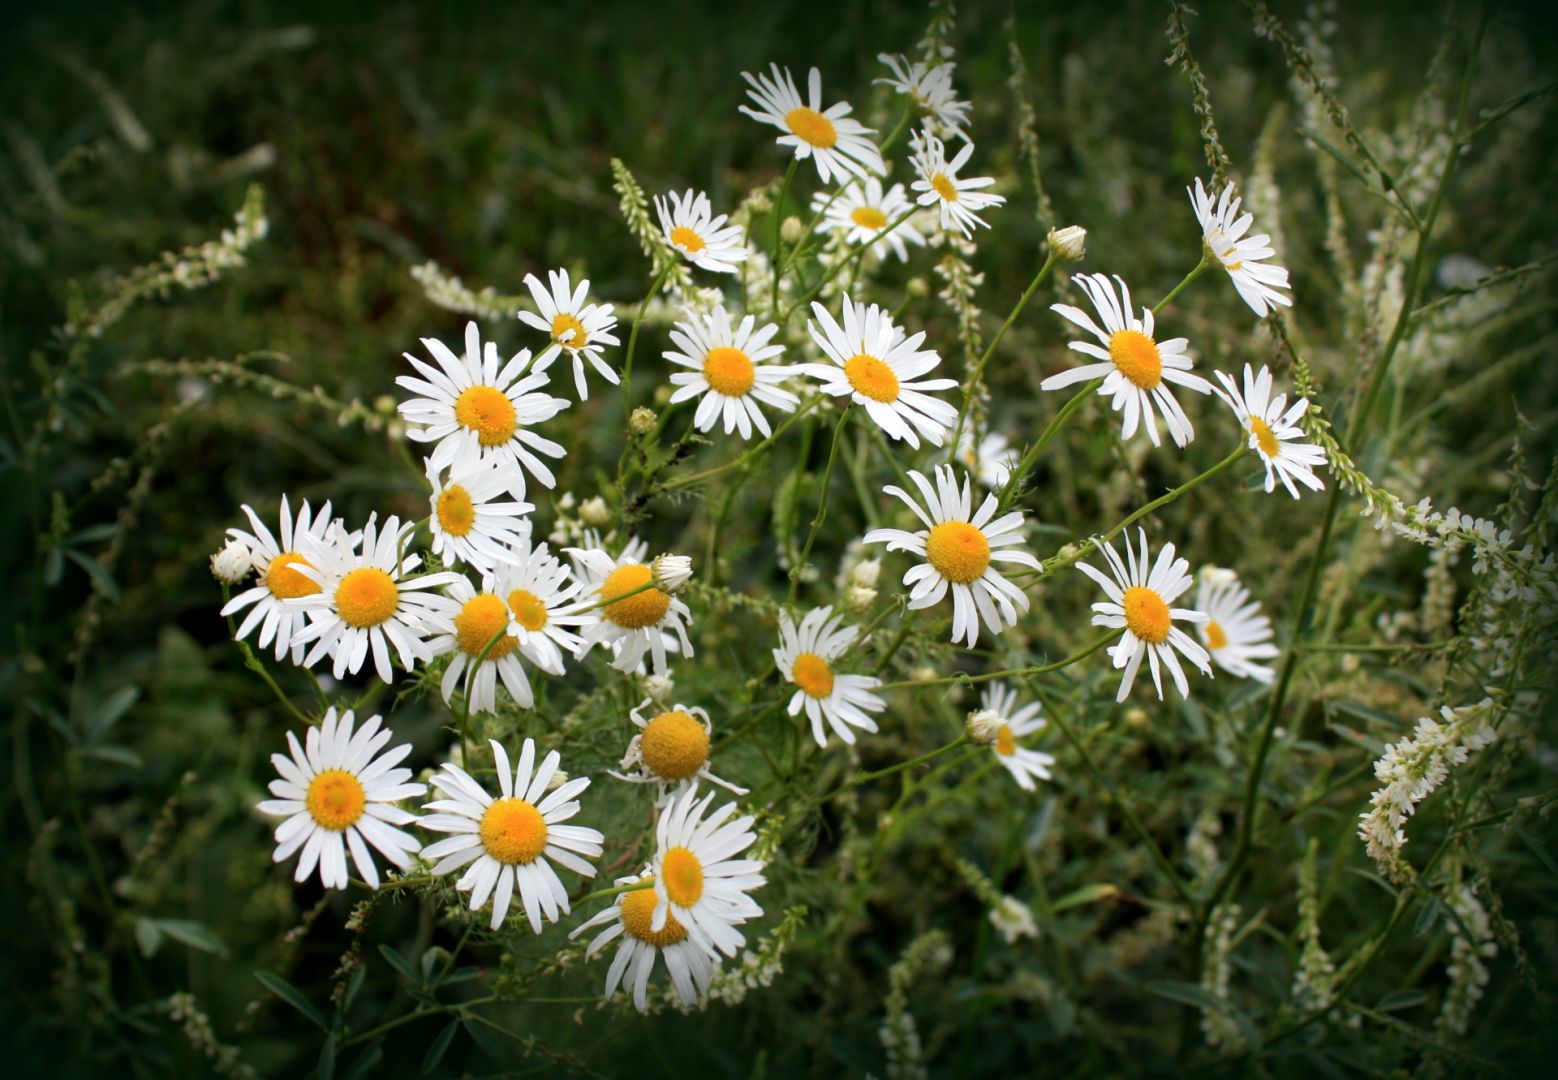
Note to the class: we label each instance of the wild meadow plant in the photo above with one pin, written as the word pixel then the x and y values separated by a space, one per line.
pixel 806 652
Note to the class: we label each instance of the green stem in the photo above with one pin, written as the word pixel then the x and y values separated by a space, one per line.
pixel 903 122
pixel 746 458
pixel 627 362
pixel 799 568
pixel 865 778
pixel 1058 421
pixel 784 189
pixel 844 260
pixel 1042 669
pixel 1200 268
pixel 601 894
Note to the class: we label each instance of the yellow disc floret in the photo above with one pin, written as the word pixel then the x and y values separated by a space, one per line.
pixel 812 127
pixel 958 551
pixel 487 411
pixel 871 377
pixel 868 217
pixel 686 239
pixel 642 608
pixel 1005 741
pixel 1263 436
pixel 335 799
pixel 683 876
pixel 1136 357
pixel 1216 636
pixel 944 187
pixel 674 745
pixel 638 910
pixel 729 371
pixel 1146 614
pixel 366 597
pixel 513 832
pixel 456 511
pixel 813 674
pixel 286 583
pixel 482 618
pixel 528 609
pixel 568 332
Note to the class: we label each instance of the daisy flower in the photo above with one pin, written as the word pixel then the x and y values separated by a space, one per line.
pixel 999 723
pixel 1274 432
pixel 841 147
pixel 636 624
pixel 698 881
pixel 364 601
pixel 959 548
pixel 628 919
pixel 704 240
pixel 544 598
pixel 991 459
pixel 1236 632
pixel 862 212
pixel 671 750
pixel 1134 367
pixel 1139 597
pixel 873 362
pixel 931 90
pixel 939 184
pixel 510 842
pixel 806 657
pixel 467 524
pixel 577 328
pixel 728 369
pixel 280 581
pixel 473 403
pixel 1221 231
pixel 338 792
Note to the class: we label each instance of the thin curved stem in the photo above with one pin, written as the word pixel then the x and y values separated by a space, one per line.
pixel 638 319
pixel 799 568
pixel 1041 669
pixel 865 778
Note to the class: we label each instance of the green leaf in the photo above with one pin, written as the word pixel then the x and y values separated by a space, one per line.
pixel 1535 843
pixel 439 1047
pixel 1400 999
pixel 97 571
pixel 1186 993
pixel 147 936
pixel 1427 918
pixel 366 1061
pixel 1367 875
pixel 110 710
pixel 1087 894
pixel 432 959
pixel 480 1038
pixel 93 534
pixel 399 963
pixel 353 987
pixel 119 755
pixel 326 1070
pixel 196 935
pixel 292 996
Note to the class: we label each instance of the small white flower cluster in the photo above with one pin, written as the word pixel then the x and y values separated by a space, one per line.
pixel 1315 977
pixel 450 293
pixel 900 1036
pixel 857 578
pixel 1218 1024
pixel 1467 969
pixel 1014 920
pixel 760 965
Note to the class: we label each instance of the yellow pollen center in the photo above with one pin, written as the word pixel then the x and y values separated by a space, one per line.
pixel 868 217
pixel 729 371
pixel 687 240
pixel 528 609
pixel 683 877
pixel 366 597
pixel 560 332
pixel 871 377
pixel 944 187
pixel 456 512
pixel 958 551
pixel 674 745
pixel 1136 357
pixel 1263 436
pixel 1146 615
pixel 1005 741
pixel 813 674
pixel 638 909
pixel 286 583
pixel 487 411
pixel 639 610
pixel 1216 637
pixel 335 799
pixel 513 831
pixel 812 126
pixel 482 617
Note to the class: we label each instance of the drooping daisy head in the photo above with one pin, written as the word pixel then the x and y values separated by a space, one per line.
pixel 961 549
pixel 276 564
pixel 875 364
pixel 671 750
pixel 840 146
pixel 939 184
pixel 470 524
pixel 636 617
pixel 474 404
pixel 698 880
pixel 1222 231
pixel 808 656
pixel 1135 367
pixel 1273 430
pixel 861 213
pixel 999 723
pixel 729 371
pixel 991 459
pixel 931 90
pixel 704 240
pixel 509 844
pixel 337 793
pixel 1140 592
pixel 580 329
pixel 1236 632
pixel 628 920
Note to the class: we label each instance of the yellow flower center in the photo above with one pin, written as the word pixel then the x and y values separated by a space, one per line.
pixel 636 611
pixel 1146 615
pixel 868 217
pixel 1005 741
pixel 958 551
pixel 513 831
pixel 335 799
pixel 560 332
pixel 1263 436
pixel 1136 357
pixel 366 597
pixel 687 240
pixel 812 126
pixel 638 909
pixel 456 512
pixel 944 187
pixel 528 609
pixel 286 583
pixel 871 377
pixel 487 411
pixel 683 876
pixel 674 745
pixel 729 371
pixel 484 616
pixel 1216 636
pixel 813 674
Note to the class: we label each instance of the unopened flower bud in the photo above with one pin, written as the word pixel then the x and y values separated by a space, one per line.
pixel 642 421
pixel 671 572
pixel 792 230
pixel 1136 716
pixel 759 202
pixel 594 511
pixel 859 597
pixel 559 778
pixel 232 564
pixel 1068 244
pixel 984 726
pixel 659 688
pixel 866 572
pixel 917 287
pixel 924 673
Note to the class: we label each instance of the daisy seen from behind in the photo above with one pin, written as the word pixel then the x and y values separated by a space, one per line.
pixel 931 90
pixel 840 147
pixel 1140 592
pixel 578 329
pixel 337 792
pixel 807 656
pixel 961 549
pixel 689 964
pixel 729 371
pixel 1136 369
pixel 939 185
pixel 1222 231
pixel 1000 723
pixel 636 617
pixel 509 844
pixel 862 212
pixel 1273 430
pixel 698 879
pixel 468 522
pixel 991 459
pixel 1236 632
pixel 671 750
pixel 280 581
pixel 688 222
